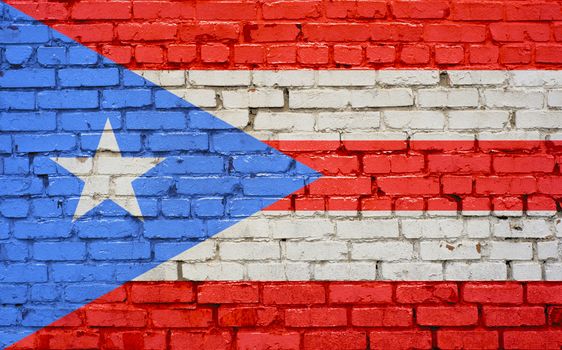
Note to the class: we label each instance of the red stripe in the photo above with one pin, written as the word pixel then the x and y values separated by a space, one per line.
pixel 428 175
pixel 313 315
pixel 169 34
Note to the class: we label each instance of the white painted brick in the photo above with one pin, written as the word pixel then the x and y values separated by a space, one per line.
pixel 249 250
pixel 415 120
pixel 313 251
pixel 448 98
pixel 252 98
pixel 511 135
pixel 213 271
pixel 477 228
pixel 249 228
pixel 476 271
pixel 348 121
pixel 164 78
pixel 554 98
pixel 387 251
pixel 398 97
pixel 523 228
pixel 198 97
pixel 550 78
pixel 548 250
pixel 538 119
pixel 238 118
pixel 219 77
pixel 433 228
pixel 514 98
pixel 478 119
pixel 413 271
pixel 378 136
pixel 408 77
pixel 470 77
pixel 367 228
pixel 345 271
pixel 558 228
pixel 417 136
pixel 200 252
pixel 283 78
pixel 526 271
pixel 286 121
pixel 441 250
pixel 319 98
pixel 279 271
pixel 511 250
pixel 301 228
pixel 553 271
pixel 167 271
pixel 346 78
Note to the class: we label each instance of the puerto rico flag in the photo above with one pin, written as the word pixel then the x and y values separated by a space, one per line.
pixel 307 174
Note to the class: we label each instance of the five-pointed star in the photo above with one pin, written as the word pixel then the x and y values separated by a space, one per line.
pixel 108 175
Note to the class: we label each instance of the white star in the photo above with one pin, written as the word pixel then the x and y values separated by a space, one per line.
pixel 108 175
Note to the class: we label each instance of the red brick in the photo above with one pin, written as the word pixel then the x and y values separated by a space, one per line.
pixel 513 316
pixel 540 203
pixel 249 54
pixel 406 163
pixel 356 9
pixel 459 163
pixel 118 54
pixel 181 318
pixel 515 54
pixel 146 31
pixel 316 317
pixel 182 53
pixel 337 32
pixel 381 54
pixel 87 33
pixel 215 53
pixel 316 204
pixel 507 204
pixel 541 339
pixel 247 316
pixel 415 54
pixel 555 316
pixel 348 54
pixel 42 11
pixel 409 203
pixel 524 164
pixel 449 54
pixel 447 315
pixel 549 54
pixel 376 204
pixel 341 186
pixel 268 340
pixel 101 10
pixel 417 293
pixel 447 204
pixel 112 316
pixel 494 293
pixel 271 32
pixel 462 33
pixel 209 31
pixel 163 9
pixel 174 292
pixel 420 9
pixel 483 54
pixel 376 164
pixel 505 32
pixel 282 54
pixel 289 293
pixel 533 11
pixel 477 11
pixel 341 340
pixel 180 340
pixel 382 317
pixel 331 163
pixel 225 293
pixel 360 293
pixel 400 340
pixel 313 54
pixel 550 185
pixel 226 10
pixel 68 340
pixel 503 185
pixel 408 185
pixel 149 54
pixel 452 339
pixel 544 293
pixel 558 32
pixel 291 9
pixel 456 184
pixel 146 340
pixel 403 32
pixel 343 203
pixel 474 203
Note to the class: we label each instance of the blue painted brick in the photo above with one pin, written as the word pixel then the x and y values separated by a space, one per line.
pixel 207 185
pixel 174 229
pixel 82 121
pixel 45 292
pixel 81 293
pixel 14 208
pixel 4 229
pixel 101 228
pixel 13 294
pixel 82 55
pixel 44 143
pixel 20 186
pixel 61 37
pixel 252 164
pixel 41 121
pixel 17 100
pixel 23 33
pixel 35 317
pixel 176 207
pixel 199 119
pixel 64 186
pixel 5 144
pixel 16 166
pixel 128 142
pixel 51 55
pixel 16 273
pixel 47 207
pixel 83 272
pixel 127 98
pixel 165 99
pixel 155 120
pixel 215 226
pixel 178 142
pixel 119 250
pixel 164 251
pixel 208 207
pixel 228 142
pixel 133 80
pixel 67 99
pixel 150 186
pixel 195 164
pixel 240 207
pixel 59 251
pixel 18 54
pixel 77 77
pixel 14 251
pixel 270 186
pixel 148 206
pixel 9 315
pixel 41 229
pixel 27 78
pixel 44 165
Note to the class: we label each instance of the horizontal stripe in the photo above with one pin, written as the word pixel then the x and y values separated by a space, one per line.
pixel 312 245
pixel 312 315
pixel 293 35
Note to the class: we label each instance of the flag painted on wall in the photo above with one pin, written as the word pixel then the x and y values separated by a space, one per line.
pixel 280 174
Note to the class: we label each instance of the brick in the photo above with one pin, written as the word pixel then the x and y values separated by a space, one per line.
pixel 401 185
pixel 268 340
pixel 178 318
pixel 446 315
pixel 202 340
pixel 281 54
pixel 348 54
pixel 381 54
pixel 162 293
pixel 415 54
pixel 457 184
pixel 247 316
pixel 271 32
pixel 479 339
pixel 522 339
pixel 149 54
pixel 225 10
pixel 477 11
pixel 515 54
pixel 145 340
pixel 417 293
pixel 382 317
pixel 544 293
pixel 504 293
pixel 516 32
pixel 536 11
pixel 354 9
pixel 420 9
pixel 335 32
pixel 400 339
pixel 344 340
pixel 455 33
pixel 316 317
pixel 115 317
pixel 291 9
pixel 230 293
pixel 360 294
pixel 505 185
pixel 161 10
pixel 513 316
pixel 249 54
pixel 479 54
pixel 313 54
pixel 101 10
pixel 210 31
pixel 293 294
pixel 449 54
